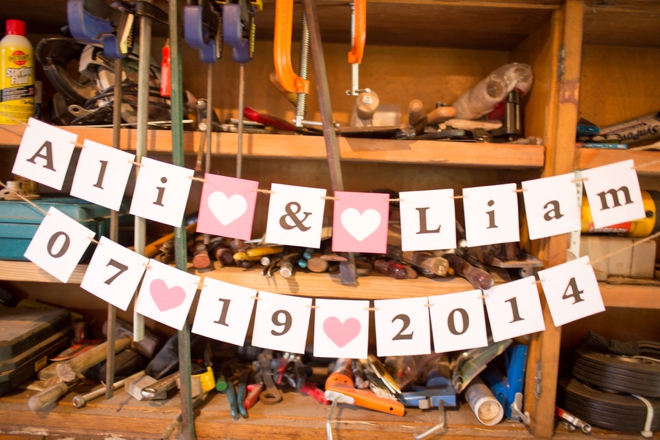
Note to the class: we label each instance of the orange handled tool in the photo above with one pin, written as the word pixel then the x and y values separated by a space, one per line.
pixel 359 31
pixel 341 381
pixel 282 49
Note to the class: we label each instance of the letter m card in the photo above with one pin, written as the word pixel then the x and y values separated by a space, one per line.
pixel 613 193
pixel 44 154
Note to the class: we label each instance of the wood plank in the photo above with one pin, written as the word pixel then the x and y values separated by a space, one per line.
pixel 312 147
pixel 375 286
pixel 297 416
pixel 630 296
pixel 586 158
pixel 622 23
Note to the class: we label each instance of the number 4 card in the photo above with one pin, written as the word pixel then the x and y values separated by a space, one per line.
pixel 114 273
pixel 572 291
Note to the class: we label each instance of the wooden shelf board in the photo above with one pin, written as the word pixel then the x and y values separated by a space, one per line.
pixel 622 23
pixel 586 158
pixel 630 296
pixel 303 283
pixel 510 156
pixel 297 416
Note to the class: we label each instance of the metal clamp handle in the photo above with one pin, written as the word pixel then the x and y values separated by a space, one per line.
pixel 282 49
pixel 359 31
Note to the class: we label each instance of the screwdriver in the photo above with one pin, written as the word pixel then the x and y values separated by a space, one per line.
pixel 479 278
pixel 392 269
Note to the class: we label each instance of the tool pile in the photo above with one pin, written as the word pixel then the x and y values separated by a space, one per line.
pixel 614 385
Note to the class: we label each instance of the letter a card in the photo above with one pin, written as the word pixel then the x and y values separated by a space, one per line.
pixel 613 193
pixel 360 221
pixel 224 311
pixel 226 207
pixel 295 215
pixel 161 192
pixel 102 174
pixel 114 273
pixel 341 328
pixel 428 220
pixel 44 153
pixel 551 206
pixel 491 214
pixel 514 309
pixel 402 327
pixel 59 244
pixel 572 291
pixel 166 294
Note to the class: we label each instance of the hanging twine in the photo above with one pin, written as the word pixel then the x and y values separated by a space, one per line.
pixel 604 257
pixel 20 196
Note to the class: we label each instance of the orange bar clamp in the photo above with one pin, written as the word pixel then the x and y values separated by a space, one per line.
pixel 282 49
pixel 359 31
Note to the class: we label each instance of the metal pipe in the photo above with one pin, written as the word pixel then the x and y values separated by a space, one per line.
pixel 144 67
pixel 209 127
pixel 241 107
pixel 114 227
pixel 180 251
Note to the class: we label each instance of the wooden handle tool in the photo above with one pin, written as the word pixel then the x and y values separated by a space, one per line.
pixel 423 260
pixel 69 370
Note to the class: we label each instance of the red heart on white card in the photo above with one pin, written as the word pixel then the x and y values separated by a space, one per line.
pixel 166 298
pixel 341 333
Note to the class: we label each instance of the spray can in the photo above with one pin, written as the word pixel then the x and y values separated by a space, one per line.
pixel 16 75
pixel 636 228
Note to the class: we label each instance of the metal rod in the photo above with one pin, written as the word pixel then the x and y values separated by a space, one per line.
pixel 144 67
pixel 209 127
pixel 114 229
pixel 304 63
pixel 241 107
pixel 180 251
pixel 347 268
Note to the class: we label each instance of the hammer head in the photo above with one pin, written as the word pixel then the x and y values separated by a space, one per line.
pixel 148 346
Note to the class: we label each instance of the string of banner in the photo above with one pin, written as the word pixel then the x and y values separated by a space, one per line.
pixel 295 217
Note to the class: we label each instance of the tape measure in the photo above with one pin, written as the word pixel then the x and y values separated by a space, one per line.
pixel 638 228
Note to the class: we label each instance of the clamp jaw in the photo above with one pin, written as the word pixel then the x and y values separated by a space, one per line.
pixel 282 49
pixel 239 28
pixel 202 29
pixel 94 21
pixel 359 37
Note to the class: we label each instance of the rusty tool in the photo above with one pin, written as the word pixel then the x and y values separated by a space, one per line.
pixel 479 278
pixel 423 260
pixel 347 270
pixel 341 381
pixel 507 256
pixel 264 375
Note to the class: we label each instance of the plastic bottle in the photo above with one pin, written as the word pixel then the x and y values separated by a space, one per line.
pixel 483 97
pixel 16 75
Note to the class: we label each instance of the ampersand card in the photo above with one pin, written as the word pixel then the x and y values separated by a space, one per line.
pixel 295 215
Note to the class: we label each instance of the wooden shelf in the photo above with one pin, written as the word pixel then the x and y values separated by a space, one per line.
pixel 389 22
pixel 509 156
pixel 586 158
pixel 298 416
pixel 630 296
pixel 303 283
pixel 622 23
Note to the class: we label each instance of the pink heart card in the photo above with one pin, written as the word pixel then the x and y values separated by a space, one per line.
pixel 226 207
pixel 166 294
pixel 360 222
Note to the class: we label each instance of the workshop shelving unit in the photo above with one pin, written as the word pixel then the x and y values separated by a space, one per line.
pixel 431 50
